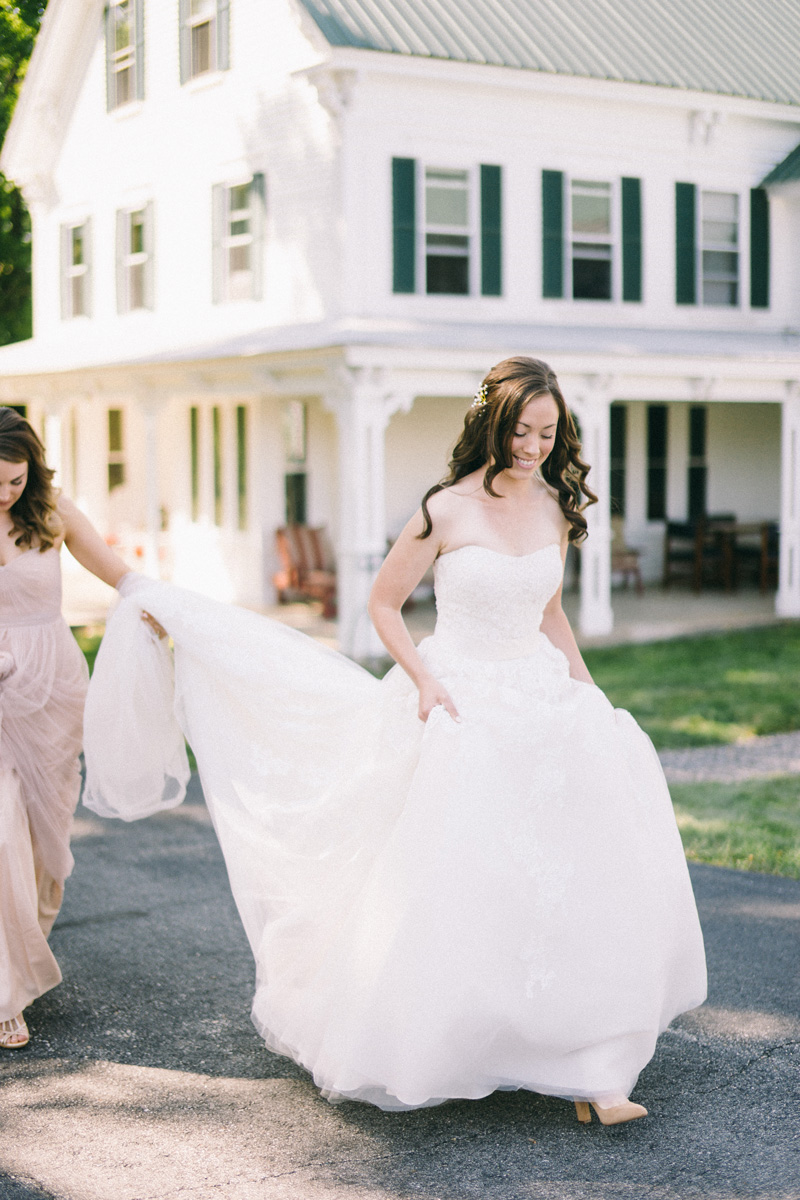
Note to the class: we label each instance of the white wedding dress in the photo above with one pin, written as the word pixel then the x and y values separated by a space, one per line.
pixel 435 910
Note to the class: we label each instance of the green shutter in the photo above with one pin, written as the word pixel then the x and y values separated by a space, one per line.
pixel 759 248
pixel 491 231
pixel 632 239
pixel 552 234
pixel 184 41
pixel 685 249
pixel 404 221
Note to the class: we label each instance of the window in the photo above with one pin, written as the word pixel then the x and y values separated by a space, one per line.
pixel 75 270
pixel 719 216
pixel 447 232
pixel 698 467
pixel 295 485
pixel 134 259
pixel 194 451
pixel 124 53
pixel 241 465
pixel 656 462
pixel 592 240
pixel 116 449
pixel 204 37
pixel 238 219
pixel 295 425
pixel 216 447
pixel 619 416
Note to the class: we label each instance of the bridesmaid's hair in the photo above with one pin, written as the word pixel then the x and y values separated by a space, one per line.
pixel 488 431
pixel 34 514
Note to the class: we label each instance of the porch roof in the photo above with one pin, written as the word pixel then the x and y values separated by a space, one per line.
pixel 29 359
pixel 737 48
pixel 787 171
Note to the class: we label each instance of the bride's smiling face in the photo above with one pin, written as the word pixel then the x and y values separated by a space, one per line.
pixel 534 436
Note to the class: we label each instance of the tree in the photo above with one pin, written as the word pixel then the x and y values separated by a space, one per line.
pixel 19 24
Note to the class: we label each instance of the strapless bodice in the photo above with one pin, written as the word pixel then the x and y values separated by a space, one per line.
pixel 30 589
pixel 489 604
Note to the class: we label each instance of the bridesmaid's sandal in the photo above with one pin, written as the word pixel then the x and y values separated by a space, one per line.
pixel 14 1033
pixel 618 1115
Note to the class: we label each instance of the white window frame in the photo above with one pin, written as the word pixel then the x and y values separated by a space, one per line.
pixel 132 259
pixel 739 249
pixel 471 230
pixel 119 57
pixel 613 239
pixel 193 22
pixel 116 458
pixel 75 271
pixel 233 241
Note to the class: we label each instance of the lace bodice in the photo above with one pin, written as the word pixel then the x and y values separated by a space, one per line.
pixel 30 589
pixel 490 604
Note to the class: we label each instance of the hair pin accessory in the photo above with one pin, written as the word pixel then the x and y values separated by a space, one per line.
pixel 481 398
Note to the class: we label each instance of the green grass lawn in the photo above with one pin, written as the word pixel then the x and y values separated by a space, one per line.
pixel 704 690
pixel 751 826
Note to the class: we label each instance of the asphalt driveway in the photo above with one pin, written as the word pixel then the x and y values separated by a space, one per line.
pixel 146 1081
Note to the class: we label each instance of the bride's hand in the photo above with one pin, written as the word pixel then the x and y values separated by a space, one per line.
pixel 431 695
pixel 159 630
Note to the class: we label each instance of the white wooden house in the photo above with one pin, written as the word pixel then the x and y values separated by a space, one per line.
pixel 277 243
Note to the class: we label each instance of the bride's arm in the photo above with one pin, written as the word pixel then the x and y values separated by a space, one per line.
pixel 558 630
pixel 402 569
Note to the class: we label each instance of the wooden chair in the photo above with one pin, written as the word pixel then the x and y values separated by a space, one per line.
pixel 700 551
pixel 770 554
pixel 756 553
pixel 624 559
pixel 308 571
pixel 682 554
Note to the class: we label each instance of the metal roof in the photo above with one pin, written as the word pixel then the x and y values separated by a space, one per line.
pixel 787 171
pixel 745 48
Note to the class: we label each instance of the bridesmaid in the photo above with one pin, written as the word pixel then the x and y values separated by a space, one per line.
pixel 43 681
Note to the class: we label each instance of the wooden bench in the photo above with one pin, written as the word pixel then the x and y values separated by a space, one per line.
pixel 308 570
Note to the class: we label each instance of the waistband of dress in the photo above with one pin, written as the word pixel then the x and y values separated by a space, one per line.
pixel 487 649
pixel 29 619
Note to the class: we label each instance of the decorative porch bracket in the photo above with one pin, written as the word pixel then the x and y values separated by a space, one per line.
pixel 787 601
pixel 363 401
pixel 592 406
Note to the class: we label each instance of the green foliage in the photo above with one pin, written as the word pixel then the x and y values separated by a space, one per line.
pixel 19 24
pixel 700 691
pixel 751 826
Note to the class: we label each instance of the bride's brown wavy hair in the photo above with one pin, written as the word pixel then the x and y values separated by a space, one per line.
pixel 489 429
pixel 34 514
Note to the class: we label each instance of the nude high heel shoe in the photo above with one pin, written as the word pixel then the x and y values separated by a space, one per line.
pixel 618 1115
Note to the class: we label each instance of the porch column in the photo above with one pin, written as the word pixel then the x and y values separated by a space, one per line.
pixel 787 601
pixel 593 412
pixel 53 439
pixel 363 404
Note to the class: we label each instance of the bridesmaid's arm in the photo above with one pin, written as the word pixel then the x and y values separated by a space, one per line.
pixel 558 630
pixel 85 544
pixel 402 569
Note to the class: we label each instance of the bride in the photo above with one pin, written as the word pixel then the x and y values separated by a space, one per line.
pixel 464 877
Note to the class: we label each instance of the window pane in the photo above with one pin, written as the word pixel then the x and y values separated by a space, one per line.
pixel 77 246
pixel 136 282
pixel 115 430
pixel 240 228
pixel 720 293
pixel 591 214
pixel 116 475
pixel 725 232
pixel 239 258
pixel 444 242
pixel 77 295
pixel 137 233
pixel 201 48
pixel 216 435
pixel 720 206
pixel 719 264
pixel 447 275
pixel 656 462
pixel 123 85
pixel 591 278
pixel 194 451
pixel 239 198
pixel 446 206
pixel 241 464
pixel 122 26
